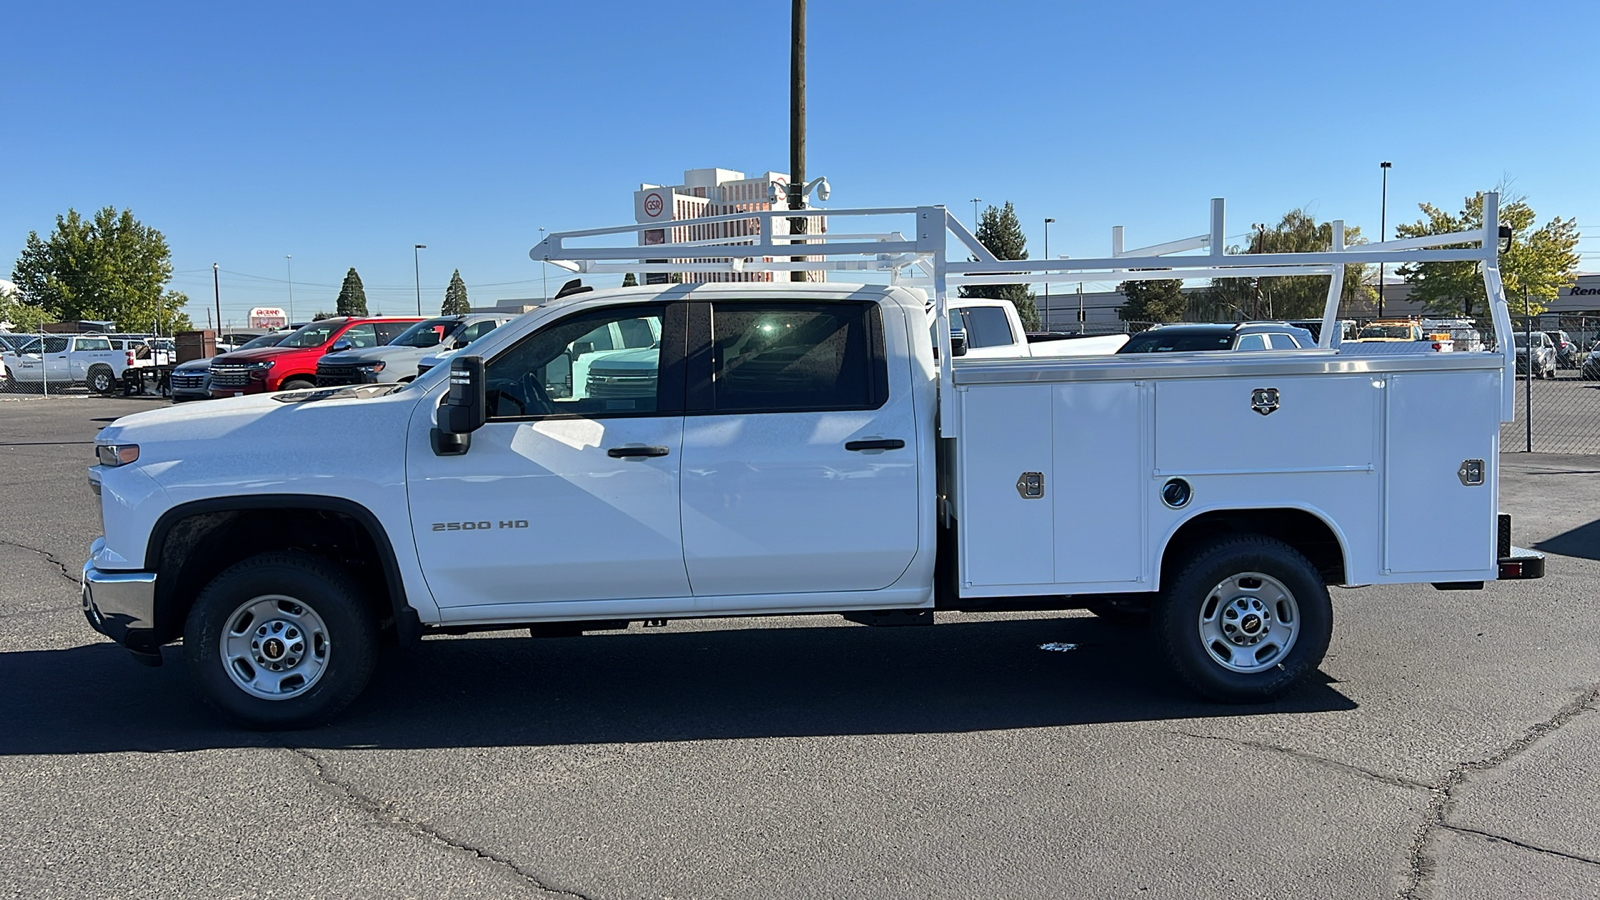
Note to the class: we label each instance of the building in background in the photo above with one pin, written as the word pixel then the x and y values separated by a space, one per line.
pixel 712 192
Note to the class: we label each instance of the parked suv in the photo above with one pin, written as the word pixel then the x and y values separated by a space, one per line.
pixel 292 365
pixel 397 360
pixel 1544 354
pixel 192 380
pixel 1244 336
pixel 1566 349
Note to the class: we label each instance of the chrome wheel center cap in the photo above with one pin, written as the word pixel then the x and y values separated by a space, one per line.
pixel 277 645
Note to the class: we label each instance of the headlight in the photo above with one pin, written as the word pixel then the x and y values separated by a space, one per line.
pixel 371 368
pixel 113 455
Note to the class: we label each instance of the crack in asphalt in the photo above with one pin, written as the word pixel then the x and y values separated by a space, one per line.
pixel 49 557
pixel 378 811
pixel 1392 780
pixel 1420 866
pixel 1516 843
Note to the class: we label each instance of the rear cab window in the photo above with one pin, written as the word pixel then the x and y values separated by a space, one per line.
pixel 791 357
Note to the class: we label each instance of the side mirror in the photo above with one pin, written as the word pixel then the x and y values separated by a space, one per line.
pixel 465 407
pixel 958 343
pixel 582 347
pixel 340 344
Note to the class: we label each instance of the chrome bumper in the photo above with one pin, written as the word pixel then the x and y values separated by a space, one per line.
pixel 121 606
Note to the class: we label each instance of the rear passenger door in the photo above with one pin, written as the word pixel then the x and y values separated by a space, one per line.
pixel 799 450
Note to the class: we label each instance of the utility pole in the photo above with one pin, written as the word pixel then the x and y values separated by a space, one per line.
pixel 975 202
pixel 416 269
pixel 1047 222
pixel 216 288
pixel 1383 228
pixel 797 124
pixel 290 266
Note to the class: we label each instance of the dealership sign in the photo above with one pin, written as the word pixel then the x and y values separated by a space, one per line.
pixel 268 317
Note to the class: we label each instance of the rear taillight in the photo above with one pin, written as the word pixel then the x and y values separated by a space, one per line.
pixel 1438 346
pixel 130 356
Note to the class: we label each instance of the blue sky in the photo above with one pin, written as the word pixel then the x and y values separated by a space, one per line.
pixel 345 133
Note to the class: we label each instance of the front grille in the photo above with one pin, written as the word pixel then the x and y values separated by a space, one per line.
pixel 188 381
pixel 631 386
pixel 229 377
pixel 330 376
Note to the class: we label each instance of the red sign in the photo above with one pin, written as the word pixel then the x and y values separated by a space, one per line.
pixel 653 205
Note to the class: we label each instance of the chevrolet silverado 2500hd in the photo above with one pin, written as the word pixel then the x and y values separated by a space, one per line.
pixel 786 448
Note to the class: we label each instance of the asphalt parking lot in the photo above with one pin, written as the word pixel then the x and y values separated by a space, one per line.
pixel 1447 750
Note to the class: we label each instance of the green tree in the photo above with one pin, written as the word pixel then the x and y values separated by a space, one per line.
pixel 1293 297
pixel 455 297
pixel 20 316
pixel 1540 262
pixel 352 296
pixel 110 267
pixel 1157 300
pixel 321 314
pixel 629 281
pixel 1001 233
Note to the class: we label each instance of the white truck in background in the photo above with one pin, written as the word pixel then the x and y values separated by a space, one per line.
pixel 801 448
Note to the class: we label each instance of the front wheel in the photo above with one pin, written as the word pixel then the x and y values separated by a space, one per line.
pixel 281 640
pixel 1245 619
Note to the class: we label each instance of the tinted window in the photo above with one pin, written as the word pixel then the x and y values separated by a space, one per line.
pixel 987 326
pixel 422 334
pixel 1282 341
pixel 1162 340
pixel 55 345
pixel 89 344
pixel 388 331
pixel 1252 342
pixel 562 370
pixel 361 337
pixel 476 330
pixel 802 356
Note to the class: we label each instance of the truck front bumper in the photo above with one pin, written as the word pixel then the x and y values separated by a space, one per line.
pixel 121 606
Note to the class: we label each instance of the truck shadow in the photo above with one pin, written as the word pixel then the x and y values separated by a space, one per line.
pixel 674 685
pixel 1582 542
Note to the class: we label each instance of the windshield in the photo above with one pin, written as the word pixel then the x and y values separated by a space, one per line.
pixel 314 335
pixel 1402 332
pixel 1161 340
pixel 266 340
pixel 428 333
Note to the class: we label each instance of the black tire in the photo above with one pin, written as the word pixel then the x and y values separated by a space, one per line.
pixel 297 384
pixel 1193 599
pixel 102 380
pixel 341 624
pixel 1122 613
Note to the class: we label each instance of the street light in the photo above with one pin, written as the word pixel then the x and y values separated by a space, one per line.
pixel 544 277
pixel 290 266
pixel 1383 228
pixel 1047 222
pixel 975 202
pixel 416 269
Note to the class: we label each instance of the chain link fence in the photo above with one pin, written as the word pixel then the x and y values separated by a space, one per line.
pixel 49 364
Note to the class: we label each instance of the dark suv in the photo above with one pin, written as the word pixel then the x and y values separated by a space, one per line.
pixel 1184 338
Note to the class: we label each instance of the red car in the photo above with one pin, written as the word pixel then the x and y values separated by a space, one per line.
pixel 292 365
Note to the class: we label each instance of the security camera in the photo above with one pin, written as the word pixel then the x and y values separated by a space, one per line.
pixel 823 190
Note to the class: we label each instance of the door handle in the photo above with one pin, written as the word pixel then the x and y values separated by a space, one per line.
pixel 888 444
pixel 633 452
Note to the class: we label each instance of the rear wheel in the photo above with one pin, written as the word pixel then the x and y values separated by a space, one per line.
pixel 1245 619
pixel 101 379
pixel 281 640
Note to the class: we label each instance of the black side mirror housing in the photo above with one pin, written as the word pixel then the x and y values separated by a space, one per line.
pixel 958 343
pixel 339 345
pixel 465 407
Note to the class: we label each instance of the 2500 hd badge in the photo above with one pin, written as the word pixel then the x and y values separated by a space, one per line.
pixel 479 526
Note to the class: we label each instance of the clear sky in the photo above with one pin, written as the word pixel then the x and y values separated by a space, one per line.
pixel 345 133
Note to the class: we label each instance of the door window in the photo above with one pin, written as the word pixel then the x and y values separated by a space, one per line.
pixel 55 345
pixel 361 337
pixel 388 331
pixel 789 357
pixel 476 330
pixel 987 326
pixel 606 362
pixel 88 344
pixel 1280 341
pixel 1252 342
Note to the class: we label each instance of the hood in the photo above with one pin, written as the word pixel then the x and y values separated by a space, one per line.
pixel 638 360
pixel 190 422
pixel 259 354
pixel 194 365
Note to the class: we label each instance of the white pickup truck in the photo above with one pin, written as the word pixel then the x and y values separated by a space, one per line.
pixel 800 448
pixel 54 360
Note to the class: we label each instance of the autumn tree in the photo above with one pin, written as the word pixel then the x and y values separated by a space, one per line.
pixel 1295 296
pixel 455 297
pixel 352 296
pixel 1001 233
pixel 110 267
pixel 1540 262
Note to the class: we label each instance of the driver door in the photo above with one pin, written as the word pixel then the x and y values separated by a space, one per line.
pixel 570 491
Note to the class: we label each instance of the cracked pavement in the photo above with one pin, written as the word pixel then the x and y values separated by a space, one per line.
pixel 1447 749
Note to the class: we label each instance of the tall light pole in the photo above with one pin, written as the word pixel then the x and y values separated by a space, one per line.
pixel 216 287
pixel 544 276
pixel 1047 222
pixel 975 202
pixel 416 269
pixel 1383 228
pixel 290 266
pixel 797 125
